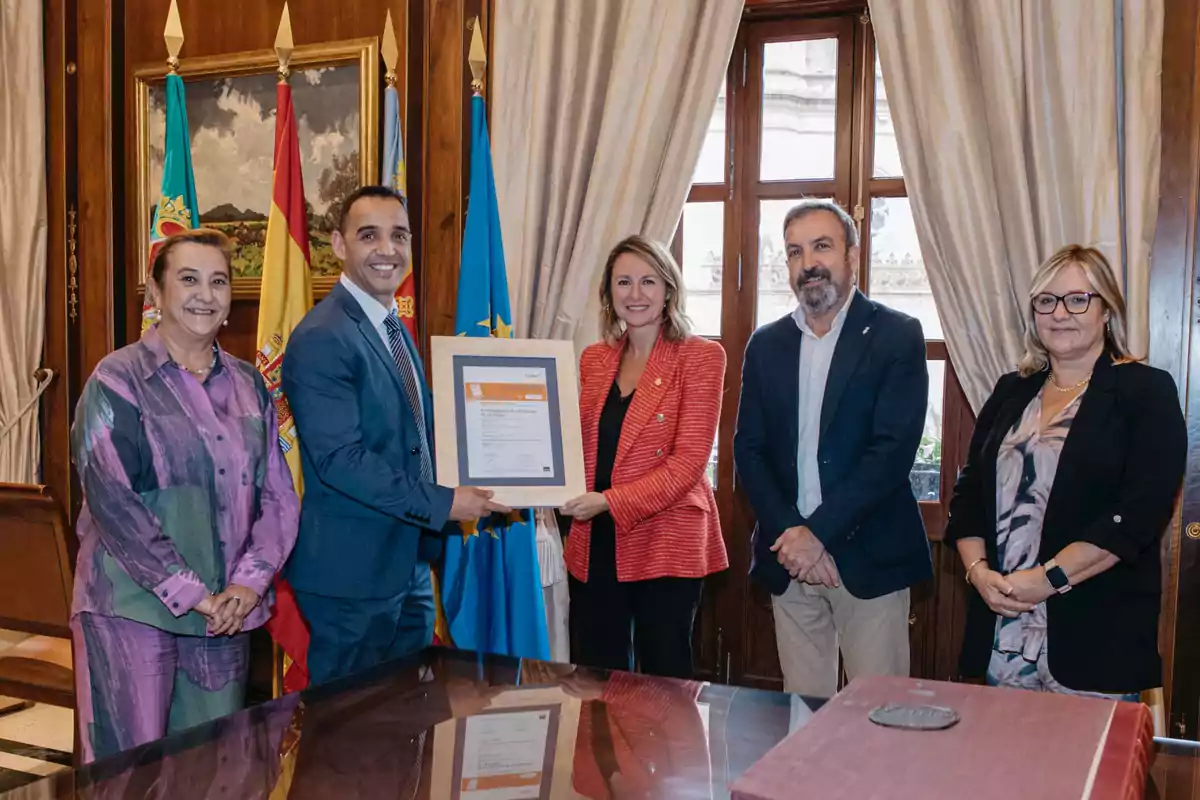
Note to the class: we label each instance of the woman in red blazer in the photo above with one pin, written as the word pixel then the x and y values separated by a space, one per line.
pixel 647 533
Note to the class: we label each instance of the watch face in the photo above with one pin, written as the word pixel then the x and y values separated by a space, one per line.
pixel 1057 578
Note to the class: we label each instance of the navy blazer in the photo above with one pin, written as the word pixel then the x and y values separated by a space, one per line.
pixel 872 417
pixel 1118 473
pixel 365 516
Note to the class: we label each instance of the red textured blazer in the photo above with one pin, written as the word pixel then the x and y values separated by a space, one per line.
pixel 661 502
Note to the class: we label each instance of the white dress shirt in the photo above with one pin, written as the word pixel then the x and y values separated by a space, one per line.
pixel 816 354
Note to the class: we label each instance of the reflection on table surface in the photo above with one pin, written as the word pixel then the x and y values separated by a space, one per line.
pixel 447 724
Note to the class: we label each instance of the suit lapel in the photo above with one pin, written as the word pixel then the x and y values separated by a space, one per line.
pixel 650 389
pixel 852 343
pixel 1008 415
pixel 1095 407
pixel 790 344
pixel 370 335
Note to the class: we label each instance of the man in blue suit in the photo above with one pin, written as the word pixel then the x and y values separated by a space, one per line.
pixel 372 517
pixel 831 414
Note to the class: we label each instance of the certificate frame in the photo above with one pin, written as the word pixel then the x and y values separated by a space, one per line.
pixel 558 758
pixel 454 359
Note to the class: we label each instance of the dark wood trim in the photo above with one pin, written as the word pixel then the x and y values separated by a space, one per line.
pixel 786 190
pixel 1173 279
pixel 57 402
pixel 708 193
pixel 775 9
pixel 95 183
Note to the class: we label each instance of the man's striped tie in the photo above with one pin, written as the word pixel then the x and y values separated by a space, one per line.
pixel 408 376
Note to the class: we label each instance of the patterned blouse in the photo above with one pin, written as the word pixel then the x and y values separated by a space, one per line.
pixel 185 488
pixel 1025 469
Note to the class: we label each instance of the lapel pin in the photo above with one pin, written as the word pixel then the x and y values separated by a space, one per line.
pixel 866 329
pixel 658 381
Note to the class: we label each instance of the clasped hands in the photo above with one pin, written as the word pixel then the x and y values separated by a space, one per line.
pixel 801 553
pixel 1013 594
pixel 227 611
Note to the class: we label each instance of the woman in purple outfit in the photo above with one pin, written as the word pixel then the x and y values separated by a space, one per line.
pixel 188 513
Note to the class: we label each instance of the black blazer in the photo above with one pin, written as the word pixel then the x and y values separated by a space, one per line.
pixel 872 416
pixel 1120 468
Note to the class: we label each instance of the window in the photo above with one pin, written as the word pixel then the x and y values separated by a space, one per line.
pixel 804 113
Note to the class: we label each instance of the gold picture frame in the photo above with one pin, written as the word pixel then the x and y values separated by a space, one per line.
pixel 341 60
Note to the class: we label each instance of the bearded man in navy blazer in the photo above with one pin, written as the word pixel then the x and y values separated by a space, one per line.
pixel 831 414
pixel 371 517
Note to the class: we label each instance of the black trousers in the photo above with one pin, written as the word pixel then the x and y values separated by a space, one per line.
pixel 612 622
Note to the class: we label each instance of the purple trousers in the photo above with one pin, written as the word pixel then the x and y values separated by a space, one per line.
pixel 135 683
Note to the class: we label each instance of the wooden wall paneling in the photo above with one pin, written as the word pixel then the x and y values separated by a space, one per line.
pixel 1175 341
pixel 444 183
pixel 62 300
pixel 95 185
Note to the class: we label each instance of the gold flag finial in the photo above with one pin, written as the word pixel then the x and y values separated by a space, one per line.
pixel 477 58
pixel 173 35
pixel 390 50
pixel 284 44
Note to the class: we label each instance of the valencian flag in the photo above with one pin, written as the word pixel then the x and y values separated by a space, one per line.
pixel 491 585
pixel 286 297
pixel 177 209
pixel 394 177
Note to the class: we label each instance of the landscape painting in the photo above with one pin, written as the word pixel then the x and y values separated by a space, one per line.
pixel 231 121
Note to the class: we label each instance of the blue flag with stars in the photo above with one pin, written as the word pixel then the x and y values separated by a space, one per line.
pixel 491 585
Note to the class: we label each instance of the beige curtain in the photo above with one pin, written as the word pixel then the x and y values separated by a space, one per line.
pixel 22 236
pixel 1006 116
pixel 599 110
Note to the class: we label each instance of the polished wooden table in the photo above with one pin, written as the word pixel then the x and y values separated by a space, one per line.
pixel 447 723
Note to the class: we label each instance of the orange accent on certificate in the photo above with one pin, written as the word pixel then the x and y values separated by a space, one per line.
pixel 506 392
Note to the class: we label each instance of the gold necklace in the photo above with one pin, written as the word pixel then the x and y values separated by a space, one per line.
pixel 1065 389
pixel 200 373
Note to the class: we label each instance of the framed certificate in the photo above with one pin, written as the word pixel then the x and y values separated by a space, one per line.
pixel 522 747
pixel 508 418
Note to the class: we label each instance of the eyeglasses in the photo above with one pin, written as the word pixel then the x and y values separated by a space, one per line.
pixel 1073 302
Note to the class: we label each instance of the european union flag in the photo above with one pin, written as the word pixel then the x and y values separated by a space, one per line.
pixel 491 585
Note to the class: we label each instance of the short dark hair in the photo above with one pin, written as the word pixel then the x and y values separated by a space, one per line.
pixel 367 191
pixel 207 237
pixel 812 205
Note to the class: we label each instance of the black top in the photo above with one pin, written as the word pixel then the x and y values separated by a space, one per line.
pixel 1118 472
pixel 602 552
pixel 612 417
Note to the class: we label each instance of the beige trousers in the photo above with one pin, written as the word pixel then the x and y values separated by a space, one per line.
pixel 812 621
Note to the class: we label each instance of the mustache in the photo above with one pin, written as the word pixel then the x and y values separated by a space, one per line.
pixel 814 272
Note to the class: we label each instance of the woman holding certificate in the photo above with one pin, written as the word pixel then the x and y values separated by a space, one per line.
pixel 647 533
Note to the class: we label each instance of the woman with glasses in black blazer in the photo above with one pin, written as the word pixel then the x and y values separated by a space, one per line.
pixel 1070 481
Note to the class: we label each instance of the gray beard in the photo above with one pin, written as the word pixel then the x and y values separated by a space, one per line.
pixel 819 299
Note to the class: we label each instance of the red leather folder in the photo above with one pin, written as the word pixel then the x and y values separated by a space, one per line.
pixel 1007 743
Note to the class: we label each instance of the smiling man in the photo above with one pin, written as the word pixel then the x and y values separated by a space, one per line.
pixel 372 518
pixel 831 414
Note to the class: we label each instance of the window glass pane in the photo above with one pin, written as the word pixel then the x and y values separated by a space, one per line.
pixel 926 475
pixel 799 109
pixel 898 277
pixel 775 296
pixel 710 168
pixel 887 152
pixel 703 257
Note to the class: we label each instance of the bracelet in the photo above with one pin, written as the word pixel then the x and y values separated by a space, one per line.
pixel 974 564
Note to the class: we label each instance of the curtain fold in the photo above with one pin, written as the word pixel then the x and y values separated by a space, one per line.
pixel 22 237
pixel 1006 120
pixel 599 111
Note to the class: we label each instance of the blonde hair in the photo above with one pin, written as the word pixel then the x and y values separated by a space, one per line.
pixel 1100 274
pixel 676 325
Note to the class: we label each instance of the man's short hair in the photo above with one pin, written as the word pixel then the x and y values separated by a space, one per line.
pixel 366 191
pixel 812 205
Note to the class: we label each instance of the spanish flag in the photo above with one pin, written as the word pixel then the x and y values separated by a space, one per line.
pixel 286 297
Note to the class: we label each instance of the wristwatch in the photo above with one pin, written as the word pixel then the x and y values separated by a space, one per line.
pixel 1057 578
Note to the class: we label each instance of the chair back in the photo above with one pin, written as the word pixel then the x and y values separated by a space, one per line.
pixel 36 569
